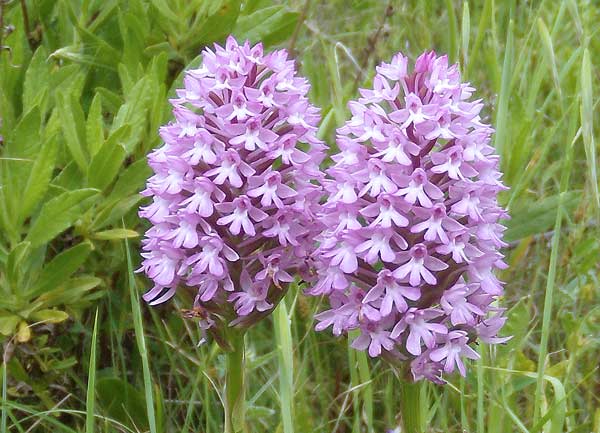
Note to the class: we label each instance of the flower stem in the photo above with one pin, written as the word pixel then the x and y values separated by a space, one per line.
pixel 235 385
pixel 410 400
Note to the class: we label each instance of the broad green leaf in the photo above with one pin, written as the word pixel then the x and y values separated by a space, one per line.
pixel 35 87
pixel 71 82
pixel 72 119
pixel 538 217
pixel 61 267
pixel 8 324
pixel 59 214
pixel 20 150
pixel 39 177
pixel 8 113
pixel 62 364
pixel 94 126
pixel 122 401
pixel 159 66
pixel 114 234
pixel 69 178
pixel 125 78
pixel 106 163
pixel 103 52
pixel 105 10
pixel 160 48
pixel 215 26
pixel 75 53
pixel 25 138
pixel 134 27
pixel 49 316
pixel 133 112
pixel 163 7
pixel 67 76
pixel 112 100
pixel 113 212
pixel 70 291
pixel 16 265
pixel 269 25
pixel 131 180
pixel 251 6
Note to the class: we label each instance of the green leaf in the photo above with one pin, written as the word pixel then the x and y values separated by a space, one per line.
pixel 131 180
pixel 113 234
pixel 90 400
pixel 69 292
pixel 94 126
pixel 68 179
pixel 133 112
pixel 138 324
pixel 121 401
pixel 16 265
pixel 106 163
pixel 269 25
pixel 538 217
pixel 215 26
pixel 25 138
pixel 72 119
pixel 587 124
pixel 61 267
pixel 74 53
pixel 20 149
pixel 100 50
pixel 49 316
pixel 8 324
pixel 39 177
pixel 163 7
pixel 58 214
pixel 114 211
pixel 111 100
pixel 35 87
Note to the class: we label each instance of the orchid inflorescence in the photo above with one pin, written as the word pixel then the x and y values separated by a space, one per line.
pixel 402 235
pixel 413 221
pixel 233 202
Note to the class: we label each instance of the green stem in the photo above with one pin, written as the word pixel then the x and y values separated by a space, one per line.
pixel 410 400
pixel 235 386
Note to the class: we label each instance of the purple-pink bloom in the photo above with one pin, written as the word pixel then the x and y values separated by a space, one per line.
pixel 413 225
pixel 235 188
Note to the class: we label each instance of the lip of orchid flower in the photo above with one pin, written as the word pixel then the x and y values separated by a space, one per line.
pixel 413 225
pixel 419 266
pixel 236 185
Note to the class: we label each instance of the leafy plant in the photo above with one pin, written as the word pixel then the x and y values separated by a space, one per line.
pixel 80 110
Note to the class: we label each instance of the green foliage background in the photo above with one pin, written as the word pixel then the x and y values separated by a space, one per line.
pixel 84 86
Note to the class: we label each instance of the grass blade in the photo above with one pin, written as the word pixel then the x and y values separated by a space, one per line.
pixel 283 336
pixel 141 341
pixel 465 34
pixel 550 57
pixel 504 97
pixel 587 123
pixel 4 388
pixel 550 283
pixel 452 32
pixel 91 385
pixel 484 22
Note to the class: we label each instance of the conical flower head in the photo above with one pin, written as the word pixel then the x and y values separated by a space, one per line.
pixel 414 224
pixel 234 187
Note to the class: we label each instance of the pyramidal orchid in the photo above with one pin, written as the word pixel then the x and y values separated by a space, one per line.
pixel 234 193
pixel 413 223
